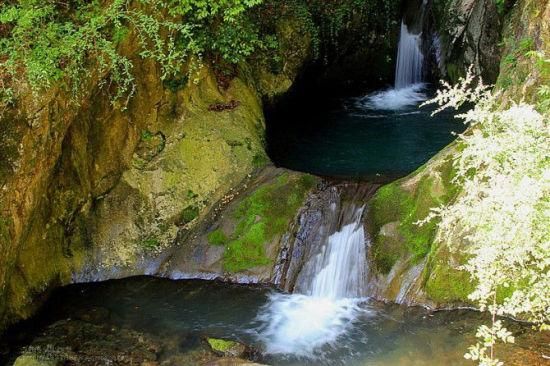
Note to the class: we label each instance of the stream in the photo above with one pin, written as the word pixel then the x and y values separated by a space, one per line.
pixel 177 315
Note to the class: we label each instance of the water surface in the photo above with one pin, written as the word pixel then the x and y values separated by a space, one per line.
pixel 384 133
pixel 179 313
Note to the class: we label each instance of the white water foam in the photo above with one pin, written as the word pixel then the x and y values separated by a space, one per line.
pixel 394 99
pixel 299 324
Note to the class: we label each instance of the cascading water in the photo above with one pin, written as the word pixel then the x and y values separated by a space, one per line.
pixel 410 59
pixel 330 287
pixel 408 87
pixel 341 265
pixel 300 324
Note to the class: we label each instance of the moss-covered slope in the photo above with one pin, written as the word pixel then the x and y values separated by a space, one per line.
pixel 241 237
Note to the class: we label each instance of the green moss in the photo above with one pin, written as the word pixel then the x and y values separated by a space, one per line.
pixel 32 360
pixel 449 285
pixel 394 203
pixel 386 252
pixel 262 216
pixel 176 82
pixel 146 135
pixel 221 345
pixel 444 283
pixel 260 160
pixel 217 237
pixel 4 230
pixel 189 214
pixel 191 195
pixel 150 243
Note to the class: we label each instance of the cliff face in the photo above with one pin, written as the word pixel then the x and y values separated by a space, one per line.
pixel 468 34
pixel 90 191
pixel 410 266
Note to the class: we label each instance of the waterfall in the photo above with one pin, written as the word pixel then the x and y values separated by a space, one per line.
pixel 410 59
pixel 330 300
pixel 341 266
pixel 408 90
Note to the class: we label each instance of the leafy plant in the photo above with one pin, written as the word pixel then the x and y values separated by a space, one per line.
pixel 503 210
pixel 51 42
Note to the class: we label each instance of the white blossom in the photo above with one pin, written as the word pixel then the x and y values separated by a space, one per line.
pixel 503 210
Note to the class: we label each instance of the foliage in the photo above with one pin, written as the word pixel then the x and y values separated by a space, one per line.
pixel 503 210
pixel 42 43
pixel 189 214
pixel 329 23
pixel 542 63
pixel 150 243
pixel 45 43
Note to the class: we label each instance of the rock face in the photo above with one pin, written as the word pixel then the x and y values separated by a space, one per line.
pixel 409 266
pixel 327 209
pixel 468 32
pixel 521 73
pixel 90 191
pixel 241 237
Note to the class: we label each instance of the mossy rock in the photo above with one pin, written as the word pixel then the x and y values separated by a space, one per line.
pixel 189 214
pixel 217 237
pixel 445 283
pixel 397 209
pixel 405 203
pixel 262 216
pixel 30 360
pixel 226 348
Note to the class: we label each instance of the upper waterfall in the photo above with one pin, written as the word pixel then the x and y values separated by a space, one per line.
pixel 410 59
pixel 408 88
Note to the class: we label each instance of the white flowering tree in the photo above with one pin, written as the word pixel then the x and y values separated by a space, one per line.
pixel 503 210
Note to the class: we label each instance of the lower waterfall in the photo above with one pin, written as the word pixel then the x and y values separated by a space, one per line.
pixel 341 265
pixel 328 305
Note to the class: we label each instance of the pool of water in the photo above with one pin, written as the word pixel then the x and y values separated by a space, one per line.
pixel 385 133
pixel 178 314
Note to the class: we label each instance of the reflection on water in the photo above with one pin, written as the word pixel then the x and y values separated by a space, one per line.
pixel 175 315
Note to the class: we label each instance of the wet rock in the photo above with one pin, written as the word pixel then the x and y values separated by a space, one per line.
pixel 95 315
pixel 91 192
pixel 150 145
pixel 472 31
pixel 260 212
pixel 325 209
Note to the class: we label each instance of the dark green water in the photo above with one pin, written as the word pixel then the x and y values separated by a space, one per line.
pixel 352 139
pixel 178 314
